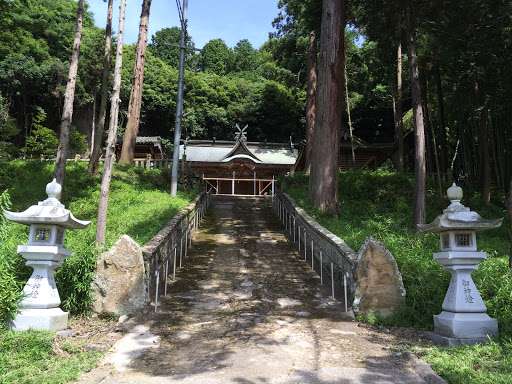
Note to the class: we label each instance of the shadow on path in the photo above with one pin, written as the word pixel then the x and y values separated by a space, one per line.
pixel 245 309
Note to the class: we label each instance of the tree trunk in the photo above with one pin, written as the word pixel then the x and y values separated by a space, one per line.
pixel 430 136
pixel 397 100
pixel 311 98
pixel 485 160
pixel 429 139
pixel 112 134
pixel 509 206
pixel 419 127
pixel 349 118
pixel 100 127
pixel 323 181
pixel 67 113
pixel 442 123
pixel 93 123
pixel 134 104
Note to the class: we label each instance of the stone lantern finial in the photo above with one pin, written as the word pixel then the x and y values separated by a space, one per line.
pixel 455 194
pixel 53 189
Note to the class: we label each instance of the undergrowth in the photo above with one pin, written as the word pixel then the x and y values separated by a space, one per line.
pixel 30 357
pixel 139 206
pixel 379 204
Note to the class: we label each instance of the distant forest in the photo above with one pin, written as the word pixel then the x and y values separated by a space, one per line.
pixel 463 54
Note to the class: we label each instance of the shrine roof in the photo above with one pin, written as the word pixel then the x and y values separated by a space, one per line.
pixel 209 151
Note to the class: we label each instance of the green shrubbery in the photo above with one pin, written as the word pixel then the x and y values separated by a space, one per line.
pixel 139 205
pixel 43 141
pixel 379 204
pixel 10 287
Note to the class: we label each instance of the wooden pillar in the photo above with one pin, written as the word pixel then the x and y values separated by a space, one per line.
pixel 272 185
pixel 255 184
pixel 148 161
pixel 233 184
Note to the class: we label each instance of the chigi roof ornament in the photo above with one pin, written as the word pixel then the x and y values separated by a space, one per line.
pixel 241 135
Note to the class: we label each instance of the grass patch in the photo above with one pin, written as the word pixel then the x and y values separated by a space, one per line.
pixel 478 364
pixel 41 357
pixel 379 204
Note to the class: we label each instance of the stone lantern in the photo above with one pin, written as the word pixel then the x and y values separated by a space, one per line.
pixel 48 222
pixel 463 319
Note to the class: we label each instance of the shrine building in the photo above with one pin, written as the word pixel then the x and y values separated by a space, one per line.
pixel 239 167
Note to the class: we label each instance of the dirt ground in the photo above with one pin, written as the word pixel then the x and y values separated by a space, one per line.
pixel 245 309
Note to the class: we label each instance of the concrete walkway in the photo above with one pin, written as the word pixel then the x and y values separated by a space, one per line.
pixel 245 309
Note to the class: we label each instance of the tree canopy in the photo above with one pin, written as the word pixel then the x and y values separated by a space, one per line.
pixel 464 72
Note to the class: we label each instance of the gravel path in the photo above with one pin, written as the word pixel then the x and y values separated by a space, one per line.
pixel 245 309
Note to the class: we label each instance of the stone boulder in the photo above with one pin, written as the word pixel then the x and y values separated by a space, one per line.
pixel 119 286
pixel 379 289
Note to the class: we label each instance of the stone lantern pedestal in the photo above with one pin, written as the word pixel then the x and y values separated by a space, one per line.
pixel 48 223
pixel 463 319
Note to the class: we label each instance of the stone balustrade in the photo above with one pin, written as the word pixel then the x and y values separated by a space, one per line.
pixel 163 242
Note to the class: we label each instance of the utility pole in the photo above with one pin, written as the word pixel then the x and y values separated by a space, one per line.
pixel 179 103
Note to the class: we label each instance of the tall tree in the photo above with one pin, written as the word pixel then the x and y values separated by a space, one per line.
pixel 134 104
pixel 323 181
pixel 311 97
pixel 245 57
pixel 67 113
pixel 441 120
pixel 419 125
pixel 112 134
pixel 216 57
pixel 509 207
pixel 397 99
pixel 100 127
pixel 485 159
pixel 170 54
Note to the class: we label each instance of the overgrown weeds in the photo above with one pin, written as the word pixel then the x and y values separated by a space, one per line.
pixel 379 204
pixel 139 206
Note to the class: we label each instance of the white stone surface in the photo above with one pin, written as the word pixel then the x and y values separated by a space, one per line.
pixel 49 319
pixel 465 325
pixel 462 294
pixel 132 346
pixel 40 290
pixel 288 302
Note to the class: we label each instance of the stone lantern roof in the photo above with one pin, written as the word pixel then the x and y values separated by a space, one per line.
pixel 49 211
pixel 458 217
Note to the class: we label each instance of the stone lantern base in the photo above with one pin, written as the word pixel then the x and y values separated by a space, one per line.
pixel 48 319
pixel 452 328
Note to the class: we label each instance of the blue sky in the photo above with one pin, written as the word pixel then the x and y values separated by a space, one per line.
pixel 230 20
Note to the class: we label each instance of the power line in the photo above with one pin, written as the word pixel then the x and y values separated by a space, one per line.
pixel 180 14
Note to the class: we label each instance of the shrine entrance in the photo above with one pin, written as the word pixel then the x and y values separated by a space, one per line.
pixel 244 187
pixel 239 167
